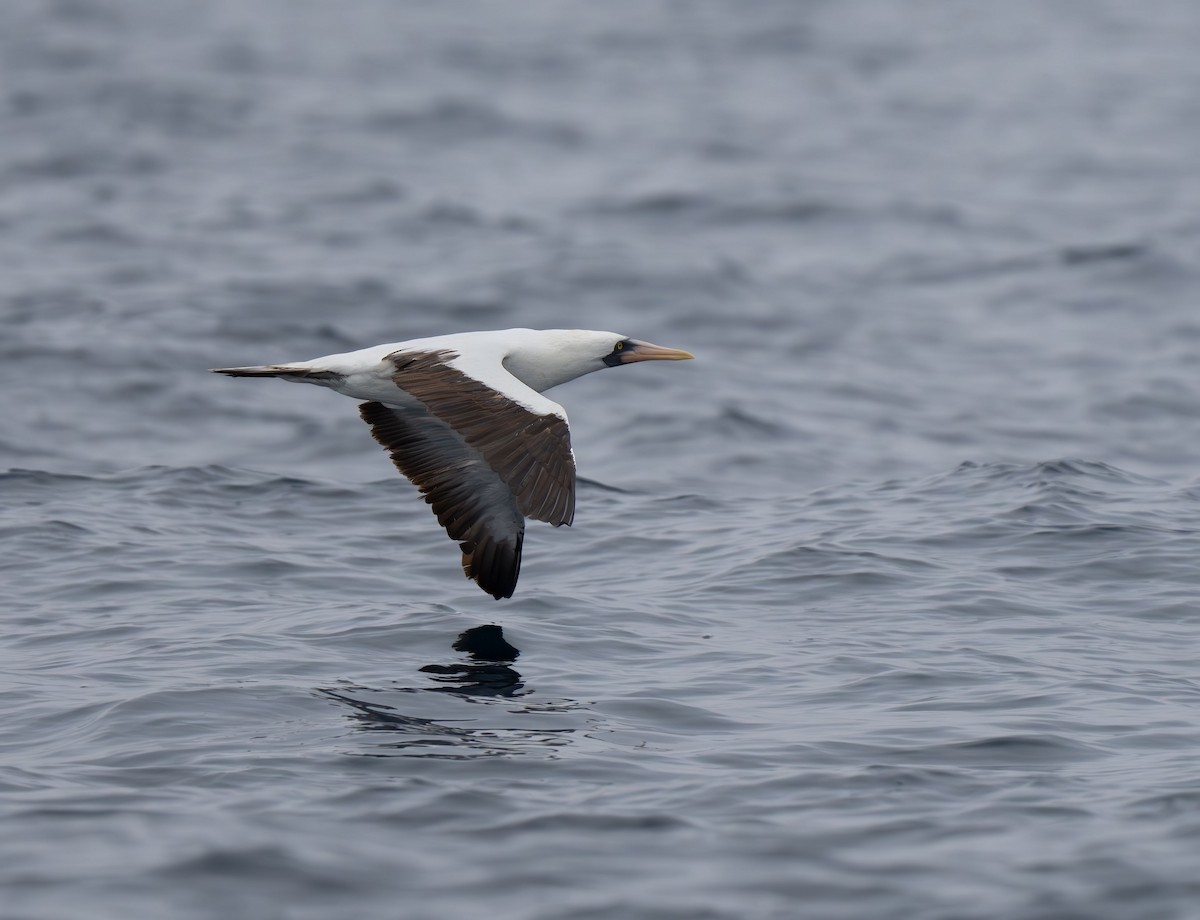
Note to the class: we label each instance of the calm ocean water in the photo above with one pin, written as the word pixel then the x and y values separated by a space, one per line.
pixel 886 606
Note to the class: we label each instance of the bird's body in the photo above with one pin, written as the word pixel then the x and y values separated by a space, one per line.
pixel 465 419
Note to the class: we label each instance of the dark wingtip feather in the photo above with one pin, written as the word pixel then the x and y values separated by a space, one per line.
pixel 493 569
pixel 491 562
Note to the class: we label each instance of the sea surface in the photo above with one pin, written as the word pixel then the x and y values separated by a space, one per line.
pixel 886 606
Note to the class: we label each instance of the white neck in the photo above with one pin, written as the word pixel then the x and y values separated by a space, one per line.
pixel 542 359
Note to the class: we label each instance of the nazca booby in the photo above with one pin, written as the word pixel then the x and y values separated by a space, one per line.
pixel 464 418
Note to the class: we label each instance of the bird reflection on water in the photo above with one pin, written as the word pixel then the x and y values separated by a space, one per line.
pixel 492 676
pixel 488 678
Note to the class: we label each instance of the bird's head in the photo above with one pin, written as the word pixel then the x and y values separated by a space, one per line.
pixel 628 351
pixel 546 358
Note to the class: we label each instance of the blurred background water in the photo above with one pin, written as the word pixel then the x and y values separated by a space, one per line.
pixel 886 606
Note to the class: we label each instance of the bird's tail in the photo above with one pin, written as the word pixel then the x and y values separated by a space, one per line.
pixel 292 372
pixel 262 370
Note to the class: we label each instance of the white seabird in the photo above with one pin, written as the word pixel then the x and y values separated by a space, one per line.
pixel 465 420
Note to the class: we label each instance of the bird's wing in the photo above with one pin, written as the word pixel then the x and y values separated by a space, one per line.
pixel 521 435
pixel 470 499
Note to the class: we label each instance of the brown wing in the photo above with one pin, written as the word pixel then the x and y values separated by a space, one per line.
pixel 470 500
pixel 531 453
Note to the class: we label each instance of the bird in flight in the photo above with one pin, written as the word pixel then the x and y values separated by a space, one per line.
pixel 464 418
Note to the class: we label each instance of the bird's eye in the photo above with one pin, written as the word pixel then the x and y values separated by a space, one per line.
pixel 620 345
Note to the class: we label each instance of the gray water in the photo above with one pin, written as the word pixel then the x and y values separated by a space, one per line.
pixel 886 606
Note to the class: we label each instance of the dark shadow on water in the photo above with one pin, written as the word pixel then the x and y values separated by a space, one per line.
pixel 491 675
pixel 488 677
